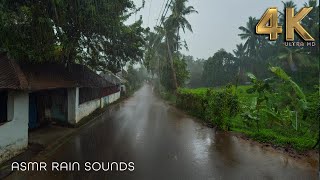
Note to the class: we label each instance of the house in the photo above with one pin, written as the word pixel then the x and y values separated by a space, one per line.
pixel 14 109
pixel 63 94
pixel 32 95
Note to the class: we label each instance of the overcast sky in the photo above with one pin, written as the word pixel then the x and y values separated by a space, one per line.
pixel 216 25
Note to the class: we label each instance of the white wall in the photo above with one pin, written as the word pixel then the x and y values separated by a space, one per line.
pixel 76 112
pixel 87 108
pixel 114 97
pixel 73 103
pixel 14 134
pixel 105 101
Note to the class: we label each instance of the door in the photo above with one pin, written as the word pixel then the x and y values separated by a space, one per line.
pixel 33 114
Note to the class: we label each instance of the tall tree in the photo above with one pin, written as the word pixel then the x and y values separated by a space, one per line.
pixel 26 30
pixel 311 23
pixel 252 39
pixel 196 68
pixel 176 21
pixel 240 59
pixel 91 32
pixel 220 69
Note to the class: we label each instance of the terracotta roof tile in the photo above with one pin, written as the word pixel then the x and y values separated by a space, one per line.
pixel 47 76
pixel 11 76
pixel 51 76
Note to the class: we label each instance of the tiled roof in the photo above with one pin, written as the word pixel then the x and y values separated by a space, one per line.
pixel 51 76
pixel 11 76
pixel 87 78
pixel 47 76
pixel 109 76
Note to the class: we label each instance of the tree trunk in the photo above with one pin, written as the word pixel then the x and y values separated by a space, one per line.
pixel 172 67
pixel 159 75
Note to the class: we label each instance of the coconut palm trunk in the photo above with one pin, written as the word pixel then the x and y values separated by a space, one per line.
pixel 175 83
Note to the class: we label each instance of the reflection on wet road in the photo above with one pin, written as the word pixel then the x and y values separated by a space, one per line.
pixel 166 144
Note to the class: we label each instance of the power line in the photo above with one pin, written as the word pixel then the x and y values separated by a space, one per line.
pixel 165 11
pixel 168 8
pixel 160 11
pixel 149 12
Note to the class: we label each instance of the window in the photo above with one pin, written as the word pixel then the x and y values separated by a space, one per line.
pixel 3 106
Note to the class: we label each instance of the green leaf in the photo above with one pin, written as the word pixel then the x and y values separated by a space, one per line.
pixel 252 77
pixel 251 90
pixel 280 73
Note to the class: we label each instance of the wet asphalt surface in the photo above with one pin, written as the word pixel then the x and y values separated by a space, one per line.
pixel 164 143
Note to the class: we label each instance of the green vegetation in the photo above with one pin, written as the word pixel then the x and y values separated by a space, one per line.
pixel 135 79
pixel 237 90
pixel 280 106
pixel 274 110
pixel 91 32
pixel 215 107
pixel 163 58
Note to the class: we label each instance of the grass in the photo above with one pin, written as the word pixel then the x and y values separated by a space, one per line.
pixel 278 136
pixel 198 91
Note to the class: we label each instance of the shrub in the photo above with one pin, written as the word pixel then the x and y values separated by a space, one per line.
pixel 216 107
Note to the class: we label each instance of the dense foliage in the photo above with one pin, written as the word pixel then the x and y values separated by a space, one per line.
pixel 278 104
pixel 162 57
pixel 272 110
pixel 90 32
pixel 135 78
pixel 256 53
pixel 215 107
pixel 195 67
pixel 220 69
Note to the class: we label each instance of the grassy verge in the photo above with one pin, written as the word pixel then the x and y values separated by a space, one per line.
pixel 275 136
pixel 195 102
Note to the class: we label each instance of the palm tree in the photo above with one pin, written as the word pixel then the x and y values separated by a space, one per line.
pixel 241 57
pixel 294 59
pixel 155 51
pixel 176 21
pixel 252 39
pixel 312 18
pixel 311 23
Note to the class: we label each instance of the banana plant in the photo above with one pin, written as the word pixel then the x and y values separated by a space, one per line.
pixel 300 102
pixel 262 87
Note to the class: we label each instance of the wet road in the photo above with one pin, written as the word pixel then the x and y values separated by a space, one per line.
pixel 166 144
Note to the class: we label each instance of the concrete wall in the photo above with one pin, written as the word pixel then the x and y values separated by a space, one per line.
pixel 14 134
pixel 114 97
pixel 73 103
pixel 104 101
pixel 87 108
pixel 78 111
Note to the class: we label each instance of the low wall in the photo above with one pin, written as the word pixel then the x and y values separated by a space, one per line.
pixel 87 108
pixel 14 134
pixel 78 111
pixel 114 97
pixel 105 101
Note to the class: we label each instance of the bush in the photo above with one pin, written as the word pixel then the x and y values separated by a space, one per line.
pixel 192 101
pixel 216 107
